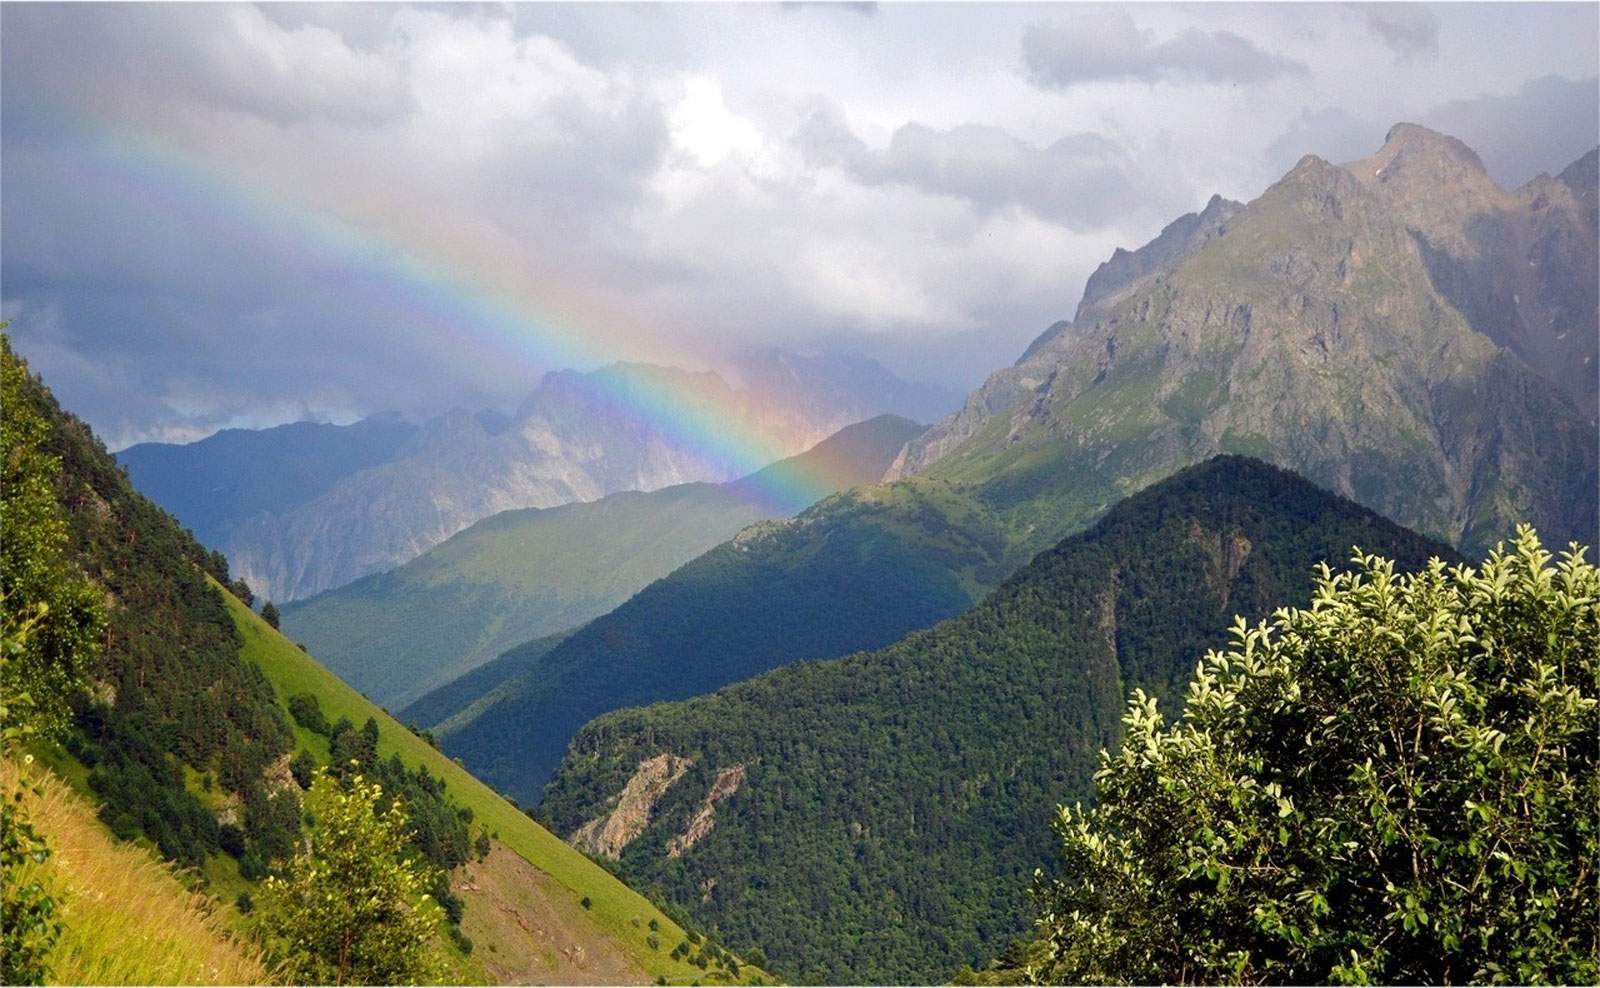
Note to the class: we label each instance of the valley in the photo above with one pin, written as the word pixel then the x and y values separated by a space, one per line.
pixel 804 493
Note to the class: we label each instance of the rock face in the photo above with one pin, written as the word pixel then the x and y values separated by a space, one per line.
pixel 365 498
pixel 1399 329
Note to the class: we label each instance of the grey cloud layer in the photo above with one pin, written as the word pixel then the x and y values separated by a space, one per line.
pixel 1410 30
pixel 929 184
pixel 1108 46
pixel 1082 181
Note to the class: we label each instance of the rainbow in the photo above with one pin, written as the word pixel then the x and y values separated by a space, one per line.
pixel 465 309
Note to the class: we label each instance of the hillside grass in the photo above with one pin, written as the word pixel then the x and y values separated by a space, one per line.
pixel 128 917
pixel 617 911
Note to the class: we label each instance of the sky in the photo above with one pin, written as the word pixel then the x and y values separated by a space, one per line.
pixel 236 215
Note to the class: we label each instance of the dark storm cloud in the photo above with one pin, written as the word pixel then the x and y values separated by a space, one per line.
pixel 1542 127
pixel 1106 45
pixel 1082 181
pixel 1409 30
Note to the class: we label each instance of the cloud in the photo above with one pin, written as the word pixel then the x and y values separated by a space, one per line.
pixel 1083 181
pixel 351 208
pixel 1409 30
pixel 1330 133
pixel 1106 46
pixel 866 8
pixel 1543 126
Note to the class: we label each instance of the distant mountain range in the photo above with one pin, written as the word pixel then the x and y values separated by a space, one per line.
pixel 1305 328
pixel 303 508
pixel 528 573
pixel 909 791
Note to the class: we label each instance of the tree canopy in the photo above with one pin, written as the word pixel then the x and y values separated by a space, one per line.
pixel 1396 784
pixel 352 906
pixel 51 621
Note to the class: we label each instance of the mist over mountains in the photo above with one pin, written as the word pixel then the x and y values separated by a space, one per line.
pixel 304 508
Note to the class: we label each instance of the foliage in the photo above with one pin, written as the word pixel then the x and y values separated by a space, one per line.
pixel 30 914
pixel 169 689
pixel 269 614
pixel 307 712
pixel 906 791
pixel 606 933
pixel 1397 784
pixel 51 620
pixel 352 906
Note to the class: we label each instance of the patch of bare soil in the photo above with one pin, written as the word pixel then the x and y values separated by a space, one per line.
pixel 529 929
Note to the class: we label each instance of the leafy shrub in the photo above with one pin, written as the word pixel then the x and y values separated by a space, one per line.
pixel 1395 785
pixel 352 906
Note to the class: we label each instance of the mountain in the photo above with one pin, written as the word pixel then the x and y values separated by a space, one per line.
pixel 1303 328
pixel 194 710
pixel 858 570
pixel 214 485
pixel 1354 323
pixel 875 819
pixel 524 574
pixel 843 387
pixel 305 508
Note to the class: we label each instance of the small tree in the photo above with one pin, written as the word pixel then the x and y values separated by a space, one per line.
pixel 1398 784
pixel 269 614
pixel 352 906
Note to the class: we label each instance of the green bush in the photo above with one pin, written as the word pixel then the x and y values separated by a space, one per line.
pixel 307 712
pixel 352 906
pixel 1396 785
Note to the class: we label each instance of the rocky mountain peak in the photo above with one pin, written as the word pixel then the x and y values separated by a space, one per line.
pixel 1583 178
pixel 1391 327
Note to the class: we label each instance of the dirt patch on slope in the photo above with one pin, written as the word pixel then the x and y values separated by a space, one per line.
pixel 529 929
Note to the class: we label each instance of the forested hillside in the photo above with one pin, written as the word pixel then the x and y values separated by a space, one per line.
pixel 520 575
pixel 197 727
pixel 857 571
pixel 908 792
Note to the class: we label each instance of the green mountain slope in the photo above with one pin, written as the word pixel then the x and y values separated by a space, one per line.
pixel 876 818
pixel 857 571
pixel 456 698
pixel 524 574
pixel 183 737
pixel 618 917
